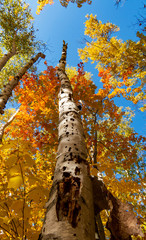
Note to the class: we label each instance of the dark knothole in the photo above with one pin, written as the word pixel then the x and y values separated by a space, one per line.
pixel 77 171
pixel 66 174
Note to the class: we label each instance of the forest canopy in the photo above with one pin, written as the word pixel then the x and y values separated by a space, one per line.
pixel 106 100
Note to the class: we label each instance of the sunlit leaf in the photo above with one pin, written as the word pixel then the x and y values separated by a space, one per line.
pixel 15 182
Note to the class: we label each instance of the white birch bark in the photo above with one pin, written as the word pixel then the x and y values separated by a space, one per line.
pixel 70 213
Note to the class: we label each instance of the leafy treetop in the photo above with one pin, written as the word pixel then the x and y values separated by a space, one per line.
pixel 17 37
pixel 121 64
pixel 16 25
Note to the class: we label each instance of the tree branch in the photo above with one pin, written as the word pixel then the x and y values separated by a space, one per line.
pixel 100 227
pixel 2 128
pixel 6 231
pixel 7 56
pixel 7 92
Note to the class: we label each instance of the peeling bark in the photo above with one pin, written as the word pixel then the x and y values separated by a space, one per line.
pixel 70 214
pixel 7 92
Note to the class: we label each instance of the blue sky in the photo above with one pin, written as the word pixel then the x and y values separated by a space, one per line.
pixel 56 23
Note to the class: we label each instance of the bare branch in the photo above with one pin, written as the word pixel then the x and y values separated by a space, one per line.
pixel 7 92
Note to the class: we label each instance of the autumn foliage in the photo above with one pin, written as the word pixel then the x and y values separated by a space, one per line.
pixel 64 3
pixel 28 143
pixel 28 152
pixel 121 63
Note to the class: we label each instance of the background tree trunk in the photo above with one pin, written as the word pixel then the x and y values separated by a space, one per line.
pixel 7 92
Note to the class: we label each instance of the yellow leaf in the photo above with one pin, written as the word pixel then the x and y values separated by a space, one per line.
pixel 8 145
pixel 94 171
pixel 11 161
pixel 17 206
pixel 37 194
pixel 15 182
pixel 14 171
pixel 6 220
pixel 27 212
pixel 32 180
pixel 109 172
pixel 29 160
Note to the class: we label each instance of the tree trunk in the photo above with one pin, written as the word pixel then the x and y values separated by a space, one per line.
pixel 70 211
pixel 76 198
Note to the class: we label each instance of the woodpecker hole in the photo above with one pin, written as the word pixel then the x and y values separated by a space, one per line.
pixel 68 196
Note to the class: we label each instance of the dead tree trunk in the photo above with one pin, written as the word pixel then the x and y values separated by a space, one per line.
pixel 70 212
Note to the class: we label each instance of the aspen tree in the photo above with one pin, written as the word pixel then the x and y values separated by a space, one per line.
pixel 70 212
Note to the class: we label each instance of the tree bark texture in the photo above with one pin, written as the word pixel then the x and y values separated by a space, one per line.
pixel 70 212
pixel 7 92
pixel 76 199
